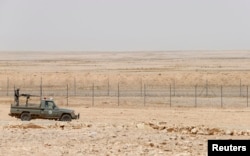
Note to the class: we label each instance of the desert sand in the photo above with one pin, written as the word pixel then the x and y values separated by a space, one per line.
pixel 130 128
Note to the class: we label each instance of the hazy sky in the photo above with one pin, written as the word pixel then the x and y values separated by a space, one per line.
pixel 134 25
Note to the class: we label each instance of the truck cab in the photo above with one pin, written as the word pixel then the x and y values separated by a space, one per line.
pixel 49 108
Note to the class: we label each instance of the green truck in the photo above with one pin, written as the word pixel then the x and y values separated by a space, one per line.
pixel 47 109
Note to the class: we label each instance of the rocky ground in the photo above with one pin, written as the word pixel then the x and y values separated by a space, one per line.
pixel 124 131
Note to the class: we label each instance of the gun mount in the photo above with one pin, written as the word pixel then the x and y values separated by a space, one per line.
pixel 17 95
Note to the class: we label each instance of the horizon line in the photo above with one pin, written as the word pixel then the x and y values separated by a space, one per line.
pixel 97 51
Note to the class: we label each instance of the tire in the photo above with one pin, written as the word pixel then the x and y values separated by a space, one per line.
pixel 66 117
pixel 25 117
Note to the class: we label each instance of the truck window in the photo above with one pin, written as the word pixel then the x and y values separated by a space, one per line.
pixel 49 104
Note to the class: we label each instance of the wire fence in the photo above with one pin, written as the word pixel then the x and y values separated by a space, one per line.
pixel 171 95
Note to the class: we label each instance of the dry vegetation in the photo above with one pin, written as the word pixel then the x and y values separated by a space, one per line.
pixel 129 129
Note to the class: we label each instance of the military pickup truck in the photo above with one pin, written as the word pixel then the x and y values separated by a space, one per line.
pixel 46 110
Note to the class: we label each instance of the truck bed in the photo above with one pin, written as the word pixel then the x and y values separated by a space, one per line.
pixel 17 110
pixel 30 106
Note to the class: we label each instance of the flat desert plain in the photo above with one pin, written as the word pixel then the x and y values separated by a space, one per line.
pixel 126 129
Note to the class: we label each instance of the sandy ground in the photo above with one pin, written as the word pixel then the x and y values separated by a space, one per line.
pixel 131 128
pixel 124 131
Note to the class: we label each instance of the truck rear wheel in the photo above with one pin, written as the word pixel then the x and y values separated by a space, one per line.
pixel 25 117
pixel 66 117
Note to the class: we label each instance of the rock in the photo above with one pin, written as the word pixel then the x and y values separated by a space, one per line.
pixel 151 144
pixel 170 129
pixel 162 123
pixel 228 132
pixel 200 132
pixel 240 133
pixel 140 125
pixel 213 131
pixel 190 128
pixel 89 125
pixel 92 134
pixel 234 132
pixel 62 125
pixel 194 131
pixel 154 126
pixel 47 144
pixel 162 127
pixel 77 126
pixel 163 143
pixel 248 132
pixel 184 132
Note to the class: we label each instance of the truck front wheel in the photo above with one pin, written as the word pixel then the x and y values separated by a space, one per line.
pixel 66 117
pixel 25 117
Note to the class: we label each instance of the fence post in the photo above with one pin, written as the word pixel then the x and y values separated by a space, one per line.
pixel 195 95
pixel 247 96
pixel 141 87
pixel 67 94
pixel 240 87
pixel 8 83
pixel 206 88
pixel 83 90
pixel 14 94
pixel 221 96
pixel 118 94
pixel 144 101
pixel 41 88
pixel 93 94
pixel 170 100
pixel 108 86
pixel 24 83
pixel 174 87
pixel 75 85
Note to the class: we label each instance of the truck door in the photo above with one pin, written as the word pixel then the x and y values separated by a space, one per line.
pixel 49 111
